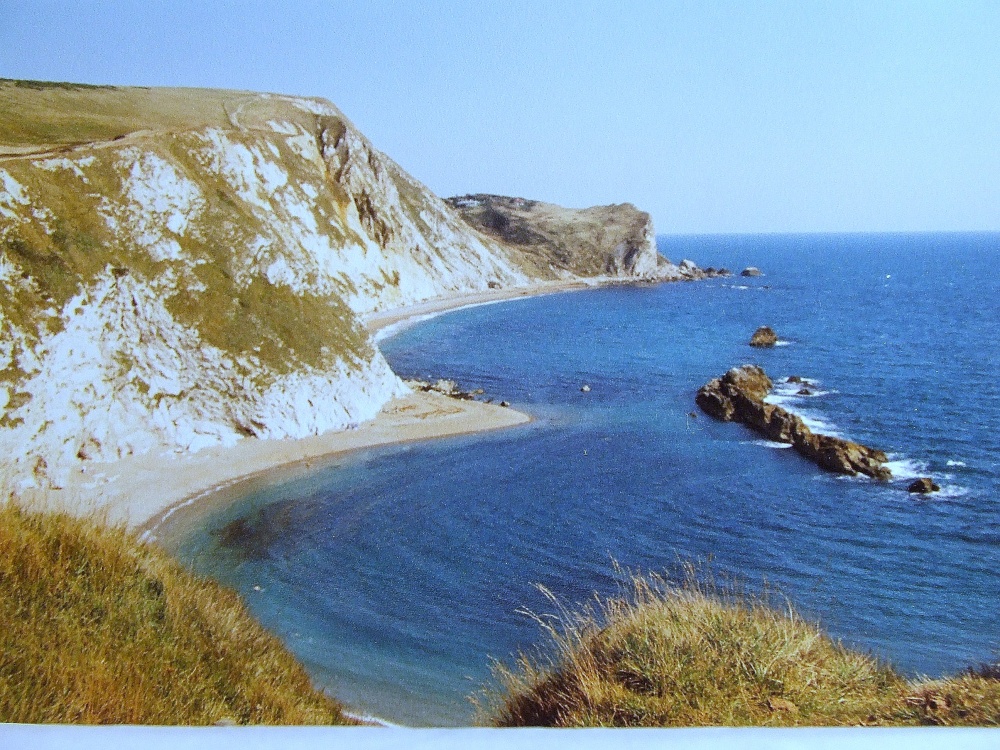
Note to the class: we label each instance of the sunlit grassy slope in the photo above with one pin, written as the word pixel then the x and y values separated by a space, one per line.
pixel 684 656
pixel 42 113
pixel 98 628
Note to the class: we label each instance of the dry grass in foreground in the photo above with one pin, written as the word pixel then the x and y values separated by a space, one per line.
pixel 666 655
pixel 96 627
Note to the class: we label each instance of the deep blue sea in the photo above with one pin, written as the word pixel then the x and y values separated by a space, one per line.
pixel 397 575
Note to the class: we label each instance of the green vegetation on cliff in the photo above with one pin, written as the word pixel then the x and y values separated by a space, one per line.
pixel 686 656
pixel 96 627
pixel 49 114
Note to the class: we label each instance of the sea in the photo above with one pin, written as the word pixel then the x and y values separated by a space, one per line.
pixel 402 576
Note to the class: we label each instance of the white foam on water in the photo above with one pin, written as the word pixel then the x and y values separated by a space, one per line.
pixel 819 425
pixel 957 463
pixel 399 326
pixel 769 444
pixel 782 342
pixel 150 534
pixel 841 477
pixel 790 391
pixel 783 386
pixel 813 421
pixel 906 468
pixel 950 492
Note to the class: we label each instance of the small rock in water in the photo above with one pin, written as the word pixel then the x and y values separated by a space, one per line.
pixel 585 388
pixel 504 404
pixel 751 271
pixel 804 392
pixel 795 379
pixel 764 336
pixel 923 486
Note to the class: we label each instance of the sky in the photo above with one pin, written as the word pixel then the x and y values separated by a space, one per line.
pixel 716 117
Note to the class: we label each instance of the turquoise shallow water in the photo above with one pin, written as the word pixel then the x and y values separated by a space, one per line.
pixel 398 574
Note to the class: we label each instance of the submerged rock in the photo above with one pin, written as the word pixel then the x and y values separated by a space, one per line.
pixel 738 396
pixel 923 486
pixel 764 336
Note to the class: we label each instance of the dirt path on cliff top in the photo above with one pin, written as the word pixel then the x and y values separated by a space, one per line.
pixel 42 151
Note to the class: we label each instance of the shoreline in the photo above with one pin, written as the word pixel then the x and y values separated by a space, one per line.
pixel 143 492
pixel 385 323
pixel 414 418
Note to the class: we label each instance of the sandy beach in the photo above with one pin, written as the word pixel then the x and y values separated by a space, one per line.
pixel 143 491
pixel 390 321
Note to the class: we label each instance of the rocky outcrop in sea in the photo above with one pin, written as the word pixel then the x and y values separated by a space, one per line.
pixel 764 337
pixel 738 396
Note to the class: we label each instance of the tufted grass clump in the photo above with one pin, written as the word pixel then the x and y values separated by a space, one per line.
pixel 690 655
pixel 664 655
pixel 98 628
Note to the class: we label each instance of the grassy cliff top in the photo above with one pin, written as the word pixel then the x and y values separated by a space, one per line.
pixel 665 655
pixel 41 115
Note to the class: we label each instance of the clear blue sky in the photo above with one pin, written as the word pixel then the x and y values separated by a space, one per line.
pixel 715 117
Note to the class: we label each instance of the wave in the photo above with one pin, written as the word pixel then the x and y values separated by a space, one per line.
pixel 906 468
pixel 769 444
pixel 951 492
pixel 790 391
pixel 813 421
pixel 399 326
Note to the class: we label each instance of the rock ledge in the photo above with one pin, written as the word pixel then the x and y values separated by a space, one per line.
pixel 738 396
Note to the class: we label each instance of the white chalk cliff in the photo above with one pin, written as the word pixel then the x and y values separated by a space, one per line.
pixel 181 269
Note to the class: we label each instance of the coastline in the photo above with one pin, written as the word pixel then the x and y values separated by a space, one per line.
pixel 385 323
pixel 142 492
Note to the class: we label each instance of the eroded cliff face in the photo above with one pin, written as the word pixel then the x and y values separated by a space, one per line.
pixel 615 241
pixel 185 268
